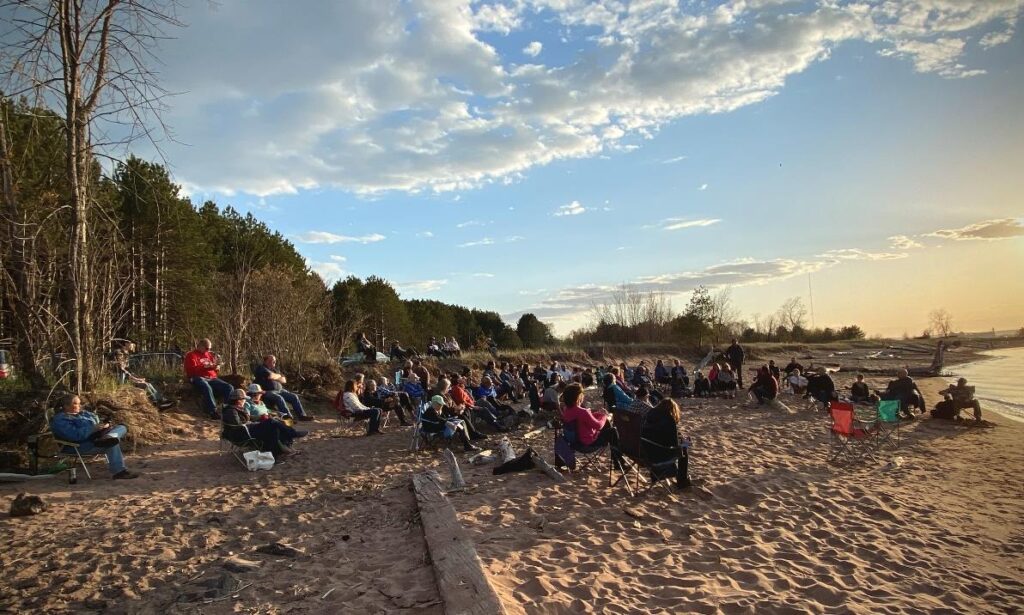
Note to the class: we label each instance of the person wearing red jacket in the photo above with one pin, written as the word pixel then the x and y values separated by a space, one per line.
pixel 201 371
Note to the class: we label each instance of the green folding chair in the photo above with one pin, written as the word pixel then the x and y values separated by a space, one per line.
pixel 888 421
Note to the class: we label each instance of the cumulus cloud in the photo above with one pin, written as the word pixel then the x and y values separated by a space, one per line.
pixel 993 39
pixel 421 286
pixel 325 237
pixel 572 209
pixel 989 230
pixel 903 242
pixel 675 224
pixel 378 95
pixel 329 271
pixel 856 254
pixel 533 49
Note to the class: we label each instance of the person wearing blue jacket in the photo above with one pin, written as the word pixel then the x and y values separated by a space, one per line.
pixel 614 397
pixel 75 425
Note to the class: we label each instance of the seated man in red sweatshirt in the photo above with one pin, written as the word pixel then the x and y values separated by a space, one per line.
pixel 201 371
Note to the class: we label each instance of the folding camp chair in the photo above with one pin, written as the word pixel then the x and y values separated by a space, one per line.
pixel 850 439
pixel 70 450
pixel 424 438
pixel 888 422
pixel 630 428
pixel 568 448
pixel 244 444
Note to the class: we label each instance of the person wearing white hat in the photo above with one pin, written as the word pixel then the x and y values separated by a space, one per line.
pixel 254 404
pixel 274 436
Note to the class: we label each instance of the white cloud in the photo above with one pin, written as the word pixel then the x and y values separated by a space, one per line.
pixel 989 230
pixel 377 95
pixel 338 258
pixel 486 241
pixel 674 160
pixel 325 237
pixel 482 275
pixel 421 286
pixel 856 254
pixel 703 187
pixel 469 223
pixel 993 39
pixel 903 242
pixel 426 234
pixel 675 224
pixel 331 272
pixel 533 49
pixel 572 209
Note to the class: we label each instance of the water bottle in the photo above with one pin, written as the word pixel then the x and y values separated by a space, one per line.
pixel 73 476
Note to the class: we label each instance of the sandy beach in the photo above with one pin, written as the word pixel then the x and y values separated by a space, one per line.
pixel 773 529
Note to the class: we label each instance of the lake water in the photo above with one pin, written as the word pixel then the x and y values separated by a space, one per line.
pixel 999 381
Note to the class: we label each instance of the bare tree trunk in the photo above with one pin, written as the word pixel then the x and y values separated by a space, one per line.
pixel 17 274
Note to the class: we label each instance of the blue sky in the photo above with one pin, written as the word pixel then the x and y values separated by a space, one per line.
pixel 531 155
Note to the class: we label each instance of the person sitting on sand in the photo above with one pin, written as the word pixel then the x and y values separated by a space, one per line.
pixel 273 436
pixel 713 376
pixel 860 393
pixel 905 390
pixel 487 397
pixel 727 381
pixel 124 375
pixel 701 385
pixel 272 380
pixel 680 384
pixel 765 387
pixel 72 424
pixel 348 405
pixel 797 382
pixel 661 374
pixel 591 427
pixel 400 354
pixel 422 372
pixel 820 386
pixel 774 369
pixel 614 397
pixel 436 421
pixel 961 396
pixel 364 346
pixel 793 366
pixel 661 427
pixel 201 370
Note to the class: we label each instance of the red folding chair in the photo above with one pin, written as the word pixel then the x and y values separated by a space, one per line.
pixel 850 440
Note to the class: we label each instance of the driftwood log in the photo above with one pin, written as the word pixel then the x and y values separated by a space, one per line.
pixel 457 483
pixel 549 469
pixel 505 449
pixel 461 580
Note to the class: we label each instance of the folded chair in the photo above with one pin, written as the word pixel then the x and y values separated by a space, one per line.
pixel 237 448
pixel 888 423
pixel 568 448
pixel 850 440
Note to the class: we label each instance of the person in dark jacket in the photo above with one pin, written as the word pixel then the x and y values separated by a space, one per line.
pixel 661 375
pixel 906 391
pixel 73 424
pixel 272 380
pixel 434 421
pixel 765 387
pixel 661 427
pixel 735 355
pixel 272 435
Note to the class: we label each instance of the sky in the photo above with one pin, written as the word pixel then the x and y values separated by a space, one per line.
pixel 534 155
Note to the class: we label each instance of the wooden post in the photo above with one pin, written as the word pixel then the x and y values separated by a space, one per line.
pixel 458 483
pixel 461 580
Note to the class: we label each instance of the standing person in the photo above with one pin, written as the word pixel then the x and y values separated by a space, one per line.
pixel 736 356
pixel 75 425
pixel 273 381
pixel 201 370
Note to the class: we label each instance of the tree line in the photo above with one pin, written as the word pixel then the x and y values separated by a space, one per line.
pixel 633 316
